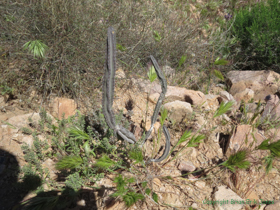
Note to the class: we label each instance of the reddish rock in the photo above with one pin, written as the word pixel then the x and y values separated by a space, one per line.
pixel 242 138
pixel 60 106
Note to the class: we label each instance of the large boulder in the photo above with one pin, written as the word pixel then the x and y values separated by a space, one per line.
pixel 262 83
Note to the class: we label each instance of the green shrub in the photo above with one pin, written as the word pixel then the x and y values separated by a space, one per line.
pixel 257 32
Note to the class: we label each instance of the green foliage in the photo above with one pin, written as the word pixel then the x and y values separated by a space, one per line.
pixel 274 147
pixel 237 160
pixel 182 60
pixel 78 134
pixel 221 62
pixel 136 154
pixel 6 89
pixel 132 197
pixel 155 197
pixel 219 75
pixel 148 191
pixel 40 203
pixel 120 47
pixel 257 31
pixel 195 140
pixel 69 162
pixel 152 74
pixel 74 181
pixel 163 116
pixel 26 131
pixel 184 137
pixel 224 108
pixel 36 47
pixel 157 36
pixel 121 186
pixel 268 161
pixel 128 195
pixel 104 162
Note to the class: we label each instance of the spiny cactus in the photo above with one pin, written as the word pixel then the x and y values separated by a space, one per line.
pixel 108 95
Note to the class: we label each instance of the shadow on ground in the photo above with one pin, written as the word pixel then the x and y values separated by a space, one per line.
pixel 13 192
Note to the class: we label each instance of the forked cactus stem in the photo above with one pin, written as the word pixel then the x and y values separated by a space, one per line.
pixel 108 96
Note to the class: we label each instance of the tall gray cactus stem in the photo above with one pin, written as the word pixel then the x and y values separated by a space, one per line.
pixel 108 80
pixel 108 96
pixel 160 99
pixel 108 89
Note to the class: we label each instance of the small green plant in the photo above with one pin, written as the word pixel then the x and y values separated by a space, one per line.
pixel 121 48
pixel 152 74
pixel 127 193
pixel 136 154
pixel 237 160
pixel 273 148
pixel 6 90
pixel 36 47
pixel 219 75
pixel 69 162
pixel 157 36
pixel 26 131
pixel 105 162
pixel 224 108
pixel 182 60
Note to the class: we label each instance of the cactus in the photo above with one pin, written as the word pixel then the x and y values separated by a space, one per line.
pixel 108 95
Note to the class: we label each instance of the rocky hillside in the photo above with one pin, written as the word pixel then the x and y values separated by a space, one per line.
pixel 193 176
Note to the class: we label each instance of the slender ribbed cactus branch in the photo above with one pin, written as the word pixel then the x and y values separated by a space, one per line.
pixel 108 96
pixel 108 89
pixel 160 99
pixel 167 146
pixel 108 80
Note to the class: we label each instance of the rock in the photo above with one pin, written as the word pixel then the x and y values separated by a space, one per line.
pixel 120 74
pixel 178 110
pixel 273 206
pixel 200 184
pixel 27 139
pixel 182 94
pixel 251 107
pixel 261 82
pixel 272 109
pixel 226 97
pixel 212 102
pixel 274 134
pixel 50 165
pixel 173 93
pixel 168 72
pixel 146 86
pixel 246 95
pixel 157 182
pixel 242 139
pixel 60 106
pixel 154 97
pixel 24 120
pixel 2 100
pixel 253 197
pixel 226 195
pixel 81 202
pixel 7 134
pixel 186 166
pixel 155 129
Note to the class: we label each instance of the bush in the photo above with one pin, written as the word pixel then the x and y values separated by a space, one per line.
pixel 257 33
pixel 74 32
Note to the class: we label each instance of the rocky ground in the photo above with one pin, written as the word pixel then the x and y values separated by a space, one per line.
pixel 188 110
